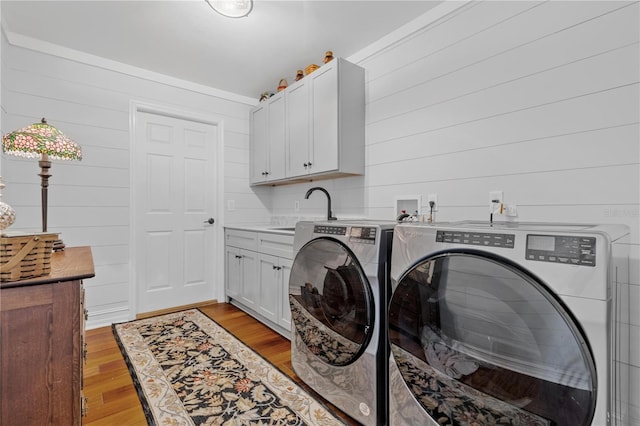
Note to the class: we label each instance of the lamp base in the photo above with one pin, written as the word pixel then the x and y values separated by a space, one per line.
pixel 58 245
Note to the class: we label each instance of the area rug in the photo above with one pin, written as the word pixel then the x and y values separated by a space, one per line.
pixel 189 370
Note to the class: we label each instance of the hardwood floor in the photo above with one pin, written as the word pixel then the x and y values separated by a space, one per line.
pixel 112 398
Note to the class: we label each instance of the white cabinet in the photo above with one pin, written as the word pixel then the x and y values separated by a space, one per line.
pixel 241 273
pixel 257 275
pixel 259 143
pixel 268 134
pixel 274 286
pixel 299 128
pixel 323 126
pixel 285 310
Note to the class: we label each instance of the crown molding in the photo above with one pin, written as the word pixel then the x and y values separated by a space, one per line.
pixel 47 48
pixel 421 23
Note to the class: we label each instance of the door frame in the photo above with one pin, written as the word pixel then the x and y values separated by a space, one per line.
pixel 218 240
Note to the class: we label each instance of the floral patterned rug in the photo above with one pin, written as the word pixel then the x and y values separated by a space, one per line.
pixel 189 370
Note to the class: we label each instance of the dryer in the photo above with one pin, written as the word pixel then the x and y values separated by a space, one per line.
pixel 508 323
pixel 338 292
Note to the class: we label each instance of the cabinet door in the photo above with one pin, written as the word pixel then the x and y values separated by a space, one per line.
pixel 250 284
pixel 233 262
pixel 324 116
pixel 277 135
pixel 285 310
pixel 298 105
pixel 259 143
pixel 269 276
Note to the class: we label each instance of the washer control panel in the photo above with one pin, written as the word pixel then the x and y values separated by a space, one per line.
pixel 473 238
pixel 356 234
pixel 570 250
pixel 330 230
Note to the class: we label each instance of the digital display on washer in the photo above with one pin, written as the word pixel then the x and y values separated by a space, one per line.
pixel 541 242
pixel 362 234
pixel 566 249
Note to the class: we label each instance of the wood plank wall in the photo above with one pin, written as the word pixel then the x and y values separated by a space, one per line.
pixel 89 201
pixel 537 99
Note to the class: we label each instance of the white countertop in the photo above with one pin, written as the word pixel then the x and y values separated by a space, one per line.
pixel 266 227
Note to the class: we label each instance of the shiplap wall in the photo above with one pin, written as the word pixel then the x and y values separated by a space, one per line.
pixel 89 201
pixel 538 99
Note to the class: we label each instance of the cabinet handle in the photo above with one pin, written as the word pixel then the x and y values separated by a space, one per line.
pixel 266 173
pixel 306 165
pixel 238 256
pixel 86 314
pixel 277 268
pixel 309 163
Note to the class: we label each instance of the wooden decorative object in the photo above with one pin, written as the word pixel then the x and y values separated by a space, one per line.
pixel 25 256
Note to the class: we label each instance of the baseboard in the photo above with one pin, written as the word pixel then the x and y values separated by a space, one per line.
pixel 105 317
pixel 175 309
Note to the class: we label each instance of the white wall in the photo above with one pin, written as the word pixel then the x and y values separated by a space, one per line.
pixel 540 100
pixel 89 201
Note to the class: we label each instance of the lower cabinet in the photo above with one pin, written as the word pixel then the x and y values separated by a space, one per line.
pixel 258 265
pixel 242 277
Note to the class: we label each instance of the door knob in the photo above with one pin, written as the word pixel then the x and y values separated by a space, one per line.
pixel 210 221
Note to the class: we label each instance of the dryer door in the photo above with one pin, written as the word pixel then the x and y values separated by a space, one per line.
pixel 477 339
pixel 331 302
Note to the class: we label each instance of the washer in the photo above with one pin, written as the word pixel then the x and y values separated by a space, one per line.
pixel 338 292
pixel 509 323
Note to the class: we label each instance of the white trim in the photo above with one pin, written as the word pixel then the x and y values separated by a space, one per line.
pixel 141 106
pixel 45 47
pixel 106 317
pixel 417 25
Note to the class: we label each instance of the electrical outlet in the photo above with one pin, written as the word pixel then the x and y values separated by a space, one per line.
pixel 511 210
pixel 296 206
pixel 434 198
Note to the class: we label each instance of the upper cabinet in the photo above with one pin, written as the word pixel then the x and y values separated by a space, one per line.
pixel 314 129
pixel 268 134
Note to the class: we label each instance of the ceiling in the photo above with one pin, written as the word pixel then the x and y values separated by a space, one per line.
pixel 186 39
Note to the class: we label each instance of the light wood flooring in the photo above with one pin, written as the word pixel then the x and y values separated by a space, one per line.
pixel 108 386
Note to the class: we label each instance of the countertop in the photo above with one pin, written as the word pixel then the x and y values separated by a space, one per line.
pixel 269 228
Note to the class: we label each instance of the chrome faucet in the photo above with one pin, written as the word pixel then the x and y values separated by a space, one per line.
pixel 329 212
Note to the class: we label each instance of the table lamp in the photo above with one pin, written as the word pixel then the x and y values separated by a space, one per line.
pixel 41 140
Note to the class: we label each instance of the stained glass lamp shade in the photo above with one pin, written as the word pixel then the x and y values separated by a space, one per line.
pixel 41 140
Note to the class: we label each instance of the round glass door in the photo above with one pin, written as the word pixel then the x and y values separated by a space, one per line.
pixel 331 301
pixel 478 340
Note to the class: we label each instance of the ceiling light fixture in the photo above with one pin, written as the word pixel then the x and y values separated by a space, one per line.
pixel 232 8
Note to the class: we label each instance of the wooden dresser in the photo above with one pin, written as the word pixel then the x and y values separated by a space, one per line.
pixel 42 343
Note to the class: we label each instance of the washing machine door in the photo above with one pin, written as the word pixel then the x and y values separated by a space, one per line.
pixel 331 302
pixel 478 340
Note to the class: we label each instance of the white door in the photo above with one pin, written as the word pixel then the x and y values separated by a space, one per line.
pixel 174 197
